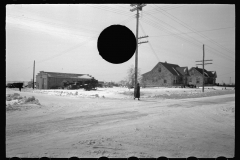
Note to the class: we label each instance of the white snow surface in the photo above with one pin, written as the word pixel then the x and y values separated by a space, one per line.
pixel 84 125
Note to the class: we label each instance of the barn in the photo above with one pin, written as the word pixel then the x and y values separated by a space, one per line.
pixel 53 80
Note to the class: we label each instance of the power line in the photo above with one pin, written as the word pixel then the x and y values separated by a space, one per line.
pixel 76 46
pixel 191 37
pixel 225 74
pixel 149 43
pixel 194 32
pixel 73 22
pixel 110 10
pixel 51 23
pixel 175 7
pixel 226 57
pixel 223 66
pixel 157 26
pixel 175 55
pixel 165 8
pixel 188 27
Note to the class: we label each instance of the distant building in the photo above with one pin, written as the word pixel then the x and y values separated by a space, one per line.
pixel 196 77
pixel 165 74
pixel 52 80
pixel 30 84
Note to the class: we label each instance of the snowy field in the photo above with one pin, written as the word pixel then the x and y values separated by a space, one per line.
pixel 125 93
pixel 171 122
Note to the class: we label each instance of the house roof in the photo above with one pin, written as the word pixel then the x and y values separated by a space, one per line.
pixel 183 70
pixel 146 73
pixel 173 68
pixel 210 74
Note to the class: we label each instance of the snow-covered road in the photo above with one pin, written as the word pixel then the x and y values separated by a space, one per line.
pixel 65 126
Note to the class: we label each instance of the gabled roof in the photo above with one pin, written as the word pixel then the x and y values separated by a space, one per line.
pixel 172 68
pixel 183 70
pixel 146 73
pixel 206 73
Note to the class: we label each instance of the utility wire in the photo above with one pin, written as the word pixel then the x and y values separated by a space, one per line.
pixel 149 43
pixel 168 52
pixel 193 32
pixel 52 23
pixel 158 26
pixel 192 38
pixel 159 48
pixel 74 21
pixel 164 8
pixel 226 57
pixel 76 46
pixel 188 27
pixel 110 10
pixel 224 74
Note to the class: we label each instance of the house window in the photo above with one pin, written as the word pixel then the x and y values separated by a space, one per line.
pixel 159 69
pixel 190 79
pixel 198 80
pixel 165 81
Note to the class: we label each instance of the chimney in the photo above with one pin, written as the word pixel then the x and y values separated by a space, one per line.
pixel 196 66
pixel 165 61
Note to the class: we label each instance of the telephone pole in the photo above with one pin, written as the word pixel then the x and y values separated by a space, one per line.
pixel 203 63
pixel 33 72
pixel 137 7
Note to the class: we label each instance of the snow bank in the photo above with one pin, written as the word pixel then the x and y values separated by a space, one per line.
pixel 125 93
pixel 14 101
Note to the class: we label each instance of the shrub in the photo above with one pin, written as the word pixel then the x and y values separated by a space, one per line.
pixel 16 94
pixel 29 99
pixel 8 98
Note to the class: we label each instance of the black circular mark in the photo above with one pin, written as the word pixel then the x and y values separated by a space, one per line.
pixel 133 158
pixel 221 158
pixel 192 158
pixel 44 158
pixel 73 158
pixel 162 158
pixel 116 44
pixel 103 158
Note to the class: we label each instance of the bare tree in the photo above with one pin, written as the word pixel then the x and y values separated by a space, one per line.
pixel 130 79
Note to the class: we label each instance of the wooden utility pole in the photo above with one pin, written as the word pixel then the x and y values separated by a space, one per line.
pixel 137 7
pixel 203 71
pixel 33 72
pixel 203 63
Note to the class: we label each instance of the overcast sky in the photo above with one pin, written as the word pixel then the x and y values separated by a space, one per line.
pixel 63 38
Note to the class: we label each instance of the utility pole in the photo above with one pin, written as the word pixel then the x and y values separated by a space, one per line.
pixel 137 7
pixel 33 72
pixel 203 63
pixel 230 81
